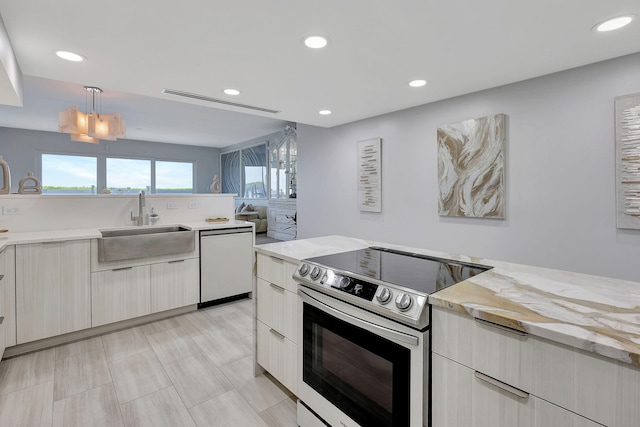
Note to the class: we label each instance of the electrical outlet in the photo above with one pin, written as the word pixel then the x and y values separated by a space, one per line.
pixel 8 210
pixel 172 205
pixel 194 205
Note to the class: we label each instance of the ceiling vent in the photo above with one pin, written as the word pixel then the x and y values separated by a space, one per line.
pixel 216 100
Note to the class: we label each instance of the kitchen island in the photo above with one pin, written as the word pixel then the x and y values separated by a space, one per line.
pixel 569 342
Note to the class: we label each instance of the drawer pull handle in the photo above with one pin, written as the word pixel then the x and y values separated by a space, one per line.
pixel 1 276
pixel 506 387
pixel 503 328
pixel 121 269
pixel 276 333
pixel 54 242
pixel 1 320
pixel 273 285
pixel 173 262
pixel 276 258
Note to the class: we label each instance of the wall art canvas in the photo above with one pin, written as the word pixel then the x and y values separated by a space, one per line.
pixel 471 168
pixel 627 110
pixel 369 175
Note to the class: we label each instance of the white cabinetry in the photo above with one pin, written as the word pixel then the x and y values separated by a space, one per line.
pixel 122 290
pixel 120 294
pixel 3 304
pixel 52 289
pixel 8 267
pixel 277 319
pixel 282 223
pixel 174 284
pixel 480 369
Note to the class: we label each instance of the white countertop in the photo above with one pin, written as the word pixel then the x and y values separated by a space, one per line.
pixel 20 238
pixel 596 314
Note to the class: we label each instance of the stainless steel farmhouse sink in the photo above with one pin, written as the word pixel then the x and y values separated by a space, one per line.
pixel 143 242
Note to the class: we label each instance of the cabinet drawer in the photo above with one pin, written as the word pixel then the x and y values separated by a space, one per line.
pixel 278 308
pixel 479 403
pixel 583 382
pixel 277 355
pixel 277 271
pixel 174 284
pixel 120 294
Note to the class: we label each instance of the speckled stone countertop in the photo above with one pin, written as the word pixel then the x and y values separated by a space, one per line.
pixel 596 314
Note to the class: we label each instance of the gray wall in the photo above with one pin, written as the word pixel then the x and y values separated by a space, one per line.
pixel 22 148
pixel 560 175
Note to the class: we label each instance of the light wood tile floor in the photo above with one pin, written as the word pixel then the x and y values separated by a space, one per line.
pixel 190 370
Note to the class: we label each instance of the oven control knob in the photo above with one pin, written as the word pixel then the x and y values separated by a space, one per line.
pixel 304 270
pixel 344 282
pixel 403 302
pixel 384 296
pixel 315 273
pixel 358 289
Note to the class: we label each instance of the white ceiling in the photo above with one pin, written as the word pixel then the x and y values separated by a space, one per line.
pixel 136 48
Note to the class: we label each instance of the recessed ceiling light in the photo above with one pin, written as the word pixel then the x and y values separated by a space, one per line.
pixel 417 83
pixel 315 42
pixel 233 92
pixel 614 23
pixel 324 112
pixel 70 56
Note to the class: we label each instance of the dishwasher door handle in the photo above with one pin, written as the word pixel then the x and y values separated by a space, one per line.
pixel 234 230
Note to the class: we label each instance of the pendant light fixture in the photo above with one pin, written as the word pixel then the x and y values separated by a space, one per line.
pixel 92 126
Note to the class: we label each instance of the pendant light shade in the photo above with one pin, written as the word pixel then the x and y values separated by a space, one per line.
pixel 91 127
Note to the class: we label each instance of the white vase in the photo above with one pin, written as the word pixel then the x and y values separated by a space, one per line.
pixel 6 177
pixel 215 185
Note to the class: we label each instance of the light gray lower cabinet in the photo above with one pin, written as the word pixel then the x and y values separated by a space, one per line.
pixel 8 267
pixel 3 325
pixel 120 294
pixel 174 284
pixel 464 398
pixel 277 319
pixel 126 289
pixel 483 375
pixel 53 296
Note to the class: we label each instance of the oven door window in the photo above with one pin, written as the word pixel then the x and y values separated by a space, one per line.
pixel 364 375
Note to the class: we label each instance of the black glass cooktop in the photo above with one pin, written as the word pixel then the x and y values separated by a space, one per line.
pixel 414 271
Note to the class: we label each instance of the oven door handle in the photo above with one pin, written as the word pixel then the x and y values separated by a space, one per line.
pixel 379 330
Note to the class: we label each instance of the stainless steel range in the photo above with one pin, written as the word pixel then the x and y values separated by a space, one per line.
pixel 363 348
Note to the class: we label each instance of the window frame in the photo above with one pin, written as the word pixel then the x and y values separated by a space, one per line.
pixel 240 171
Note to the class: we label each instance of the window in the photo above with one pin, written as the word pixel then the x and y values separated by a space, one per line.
pixel 244 172
pixel 128 176
pixel 69 174
pixel 254 172
pixel 174 177
pixel 230 166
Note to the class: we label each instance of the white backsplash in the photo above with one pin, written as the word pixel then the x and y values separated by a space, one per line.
pixel 53 212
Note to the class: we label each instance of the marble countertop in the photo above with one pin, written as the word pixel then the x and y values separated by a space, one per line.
pixel 19 238
pixel 596 314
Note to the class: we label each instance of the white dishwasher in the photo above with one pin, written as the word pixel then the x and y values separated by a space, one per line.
pixel 226 259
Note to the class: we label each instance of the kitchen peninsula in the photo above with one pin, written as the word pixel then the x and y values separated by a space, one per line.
pixel 559 348
pixel 56 288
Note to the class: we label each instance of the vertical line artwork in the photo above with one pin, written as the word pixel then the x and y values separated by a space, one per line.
pixel 471 168
pixel 369 175
pixel 627 111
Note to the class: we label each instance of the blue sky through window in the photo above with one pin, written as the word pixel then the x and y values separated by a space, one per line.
pixel 68 171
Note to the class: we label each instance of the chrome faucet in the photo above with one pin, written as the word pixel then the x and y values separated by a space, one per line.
pixel 139 220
